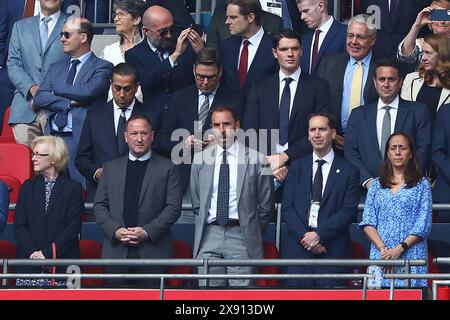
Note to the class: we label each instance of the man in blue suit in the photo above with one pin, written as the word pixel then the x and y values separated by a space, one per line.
pixel 72 86
pixel 247 55
pixel 441 158
pixel 369 126
pixel 283 101
pixel 318 215
pixel 325 35
pixel 162 67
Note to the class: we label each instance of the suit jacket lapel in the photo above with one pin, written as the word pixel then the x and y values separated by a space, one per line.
pixel 262 48
pixel 332 178
pixel 402 114
pixel 55 32
pixel 306 185
pixel 149 173
pixel 445 97
pixel 85 68
pixel 369 82
pixel 35 32
pixel 371 123
pixel 110 129
pixel 242 169
pixel 331 34
pixel 207 176
pixel 121 180
pixel 298 98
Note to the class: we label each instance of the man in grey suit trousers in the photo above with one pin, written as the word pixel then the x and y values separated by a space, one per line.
pixel 137 201
pixel 34 46
pixel 232 200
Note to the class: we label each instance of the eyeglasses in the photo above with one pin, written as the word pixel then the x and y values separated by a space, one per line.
pixel 358 36
pixel 119 14
pixel 162 33
pixel 39 155
pixel 67 35
pixel 202 77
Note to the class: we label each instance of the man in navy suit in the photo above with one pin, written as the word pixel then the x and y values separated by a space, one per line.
pixel 325 35
pixel 189 109
pixel 275 105
pixel 441 158
pixel 246 56
pixel 100 144
pixel 163 68
pixel 370 125
pixel 72 86
pixel 318 214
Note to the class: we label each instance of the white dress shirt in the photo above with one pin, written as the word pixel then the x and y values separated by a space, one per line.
pixel 232 160
pixel 253 46
pixel 51 23
pixel 380 115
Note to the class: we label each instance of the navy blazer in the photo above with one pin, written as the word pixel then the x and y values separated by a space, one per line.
pixel 361 146
pixel 183 111
pixel 338 208
pixel 262 110
pixel 158 79
pixel 441 154
pixel 334 42
pixel 332 68
pixel 264 63
pixel 36 229
pixel 98 144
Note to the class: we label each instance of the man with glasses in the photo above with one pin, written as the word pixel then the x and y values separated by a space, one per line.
pixel 163 67
pixel 72 86
pixel 34 46
pixel 189 108
pixel 349 74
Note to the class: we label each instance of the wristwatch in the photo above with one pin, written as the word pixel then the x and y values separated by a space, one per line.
pixel 404 245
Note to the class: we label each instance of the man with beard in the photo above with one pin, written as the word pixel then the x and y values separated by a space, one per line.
pixel 163 68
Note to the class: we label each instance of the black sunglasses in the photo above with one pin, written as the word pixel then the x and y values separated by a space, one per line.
pixel 67 34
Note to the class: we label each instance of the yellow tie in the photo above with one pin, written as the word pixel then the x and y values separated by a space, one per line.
pixel 355 94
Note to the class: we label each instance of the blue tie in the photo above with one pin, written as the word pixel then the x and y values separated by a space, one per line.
pixel 283 112
pixel 223 191
pixel 61 117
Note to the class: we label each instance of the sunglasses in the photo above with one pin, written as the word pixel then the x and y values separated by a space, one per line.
pixel 67 34
pixel 163 32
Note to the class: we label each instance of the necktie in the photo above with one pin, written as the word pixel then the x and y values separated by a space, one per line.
pixel 61 117
pixel 283 111
pixel 318 182
pixel 43 30
pixel 223 191
pixel 160 54
pixel 28 8
pixel 385 130
pixel 121 145
pixel 355 93
pixel 204 110
pixel 315 51
pixel 243 63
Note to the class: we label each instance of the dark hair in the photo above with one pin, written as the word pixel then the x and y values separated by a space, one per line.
pixel 249 6
pixel 329 116
pixel 126 69
pixel 137 117
pixel 209 57
pixel 388 62
pixel 412 172
pixel 223 108
pixel 286 33
pixel 86 27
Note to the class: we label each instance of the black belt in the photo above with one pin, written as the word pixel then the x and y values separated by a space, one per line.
pixel 231 223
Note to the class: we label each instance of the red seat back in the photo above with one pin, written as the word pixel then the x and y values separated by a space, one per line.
pixel 91 249
pixel 14 187
pixel 270 252
pixel 181 250
pixel 15 160
pixel 6 128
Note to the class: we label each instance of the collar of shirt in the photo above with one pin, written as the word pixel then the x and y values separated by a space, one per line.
pixel 212 93
pixel 329 157
pixel 365 60
pixel 82 59
pixel 254 40
pixel 153 48
pixel 233 150
pixel 326 26
pixel 145 157
pixel 295 76
pixel 393 104
pixel 129 108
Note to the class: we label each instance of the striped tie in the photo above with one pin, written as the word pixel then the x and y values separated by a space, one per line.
pixel 204 110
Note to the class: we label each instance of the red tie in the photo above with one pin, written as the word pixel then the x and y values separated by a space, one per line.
pixel 243 63
pixel 28 8
pixel 315 51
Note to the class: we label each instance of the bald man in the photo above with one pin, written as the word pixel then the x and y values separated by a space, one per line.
pixel 164 65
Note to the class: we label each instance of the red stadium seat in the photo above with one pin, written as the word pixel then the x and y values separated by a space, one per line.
pixel 270 252
pixel 91 249
pixel 6 128
pixel 8 251
pixel 15 160
pixel 14 187
pixel 7 139
pixel 181 250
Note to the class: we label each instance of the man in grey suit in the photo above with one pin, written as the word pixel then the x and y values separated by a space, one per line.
pixel 137 201
pixel 232 200
pixel 34 46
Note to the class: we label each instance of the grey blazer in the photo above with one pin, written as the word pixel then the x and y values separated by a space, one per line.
pixel 28 62
pixel 254 195
pixel 159 206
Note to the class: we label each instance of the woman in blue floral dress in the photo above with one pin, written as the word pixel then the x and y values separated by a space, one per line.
pixel 398 209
